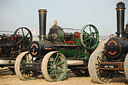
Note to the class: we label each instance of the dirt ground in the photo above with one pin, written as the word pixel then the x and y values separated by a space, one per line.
pixel 6 78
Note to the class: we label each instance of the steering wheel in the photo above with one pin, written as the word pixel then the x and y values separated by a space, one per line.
pixel 89 37
pixel 22 38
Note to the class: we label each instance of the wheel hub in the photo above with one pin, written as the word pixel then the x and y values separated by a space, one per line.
pixel 54 66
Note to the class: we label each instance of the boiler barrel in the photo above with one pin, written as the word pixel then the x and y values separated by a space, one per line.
pixel 38 48
pixel 116 47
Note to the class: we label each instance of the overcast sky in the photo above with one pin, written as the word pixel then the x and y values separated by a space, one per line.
pixel 69 14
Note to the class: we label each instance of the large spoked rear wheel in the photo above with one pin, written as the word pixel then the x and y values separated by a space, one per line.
pixel 126 66
pixel 97 75
pixel 24 57
pixel 54 66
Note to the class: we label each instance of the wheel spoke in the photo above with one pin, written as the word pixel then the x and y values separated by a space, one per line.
pixel 56 58
pixel 98 59
pixel 29 59
pixel 52 73
pixel 27 34
pixel 90 29
pixel 51 61
pixel 61 63
pixel 50 69
pixel 20 41
pixel 99 74
pixel 22 31
pixel 23 39
pixel 86 39
pixel 56 75
pixel 85 32
pixel 22 71
pixel 51 64
pixel 60 71
pixel 23 44
pixel 90 43
pixel 24 61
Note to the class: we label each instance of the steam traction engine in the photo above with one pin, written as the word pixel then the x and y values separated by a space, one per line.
pixel 48 54
pixel 13 44
pixel 112 58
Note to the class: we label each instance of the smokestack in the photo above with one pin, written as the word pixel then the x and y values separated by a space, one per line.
pixel 42 23
pixel 120 7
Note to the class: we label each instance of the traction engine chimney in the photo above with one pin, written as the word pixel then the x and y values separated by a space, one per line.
pixel 120 7
pixel 42 23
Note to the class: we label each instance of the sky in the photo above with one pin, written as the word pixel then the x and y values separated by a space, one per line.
pixel 69 14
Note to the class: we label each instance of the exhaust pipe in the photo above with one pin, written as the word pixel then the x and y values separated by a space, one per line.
pixel 42 24
pixel 120 7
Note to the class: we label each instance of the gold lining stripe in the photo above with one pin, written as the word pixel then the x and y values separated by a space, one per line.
pixel 48 48
pixel 120 8
pixel 42 11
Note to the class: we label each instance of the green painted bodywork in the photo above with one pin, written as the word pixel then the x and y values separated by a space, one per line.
pixel 75 47
pixel 77 41
pixel 69 52
pixel 61 34
pixel 77 52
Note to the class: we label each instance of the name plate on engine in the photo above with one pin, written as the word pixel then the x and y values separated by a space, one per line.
pixel 111 65
pixel 31 66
